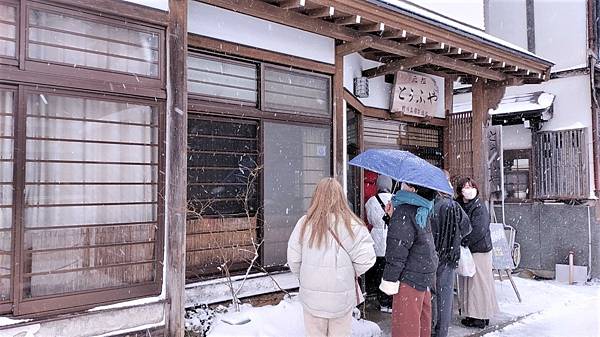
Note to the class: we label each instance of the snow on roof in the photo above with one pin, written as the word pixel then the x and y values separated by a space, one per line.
pixel 450 24
pixel 518 103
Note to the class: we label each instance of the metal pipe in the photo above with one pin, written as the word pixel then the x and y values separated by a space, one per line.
pixel 571 268
pixel 589 273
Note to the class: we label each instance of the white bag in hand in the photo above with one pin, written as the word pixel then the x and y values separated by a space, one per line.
pixel 466 265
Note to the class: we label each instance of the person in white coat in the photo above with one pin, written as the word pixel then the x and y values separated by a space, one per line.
pixel 375 210
pixel 328 249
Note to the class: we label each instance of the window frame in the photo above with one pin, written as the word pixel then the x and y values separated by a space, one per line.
pixel 6 306
pixel 104 75
pixel 207 107
pixel 79 300
pixel 13 61
pixel 521 154
pixel 230 60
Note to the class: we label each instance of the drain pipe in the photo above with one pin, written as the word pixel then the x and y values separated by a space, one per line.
pixel 589 273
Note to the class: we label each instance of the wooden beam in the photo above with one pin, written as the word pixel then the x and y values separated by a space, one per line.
pixel 395 66
pixel 348 20
pixel 291 4
pixel 416 40
pixel 338 119
pixel 230 48
pixel 385 114
pixel 478 124
pixel 416 26
pixel 291 18
pixel 436 46
pixel 448 105
pixel 354 46
pixel 395 34
pixel 467 68
pixel 176 209
pixel 322 12
pixel 372 27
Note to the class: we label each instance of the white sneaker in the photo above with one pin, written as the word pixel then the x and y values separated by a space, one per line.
pixel 385 309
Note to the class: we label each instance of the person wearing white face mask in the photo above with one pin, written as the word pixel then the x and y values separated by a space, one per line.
pixel 478 295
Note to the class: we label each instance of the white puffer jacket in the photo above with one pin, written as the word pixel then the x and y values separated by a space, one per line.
pixel 375 217
pixel 327 273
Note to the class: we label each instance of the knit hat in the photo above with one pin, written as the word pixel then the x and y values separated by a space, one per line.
pixel 384 183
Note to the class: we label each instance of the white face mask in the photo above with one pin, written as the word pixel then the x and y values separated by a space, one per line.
pixel 407 188
pixel 469 193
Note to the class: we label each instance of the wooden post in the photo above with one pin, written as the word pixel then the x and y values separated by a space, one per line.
pixel 448 103
pixel 478 123
pixel 338 119
pixel 176 165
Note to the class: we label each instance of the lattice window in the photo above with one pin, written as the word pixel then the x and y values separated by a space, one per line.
pixel 562 168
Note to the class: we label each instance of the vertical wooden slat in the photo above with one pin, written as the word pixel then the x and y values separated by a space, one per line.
pixel 176 165
pixel 338 119
pixel 448 103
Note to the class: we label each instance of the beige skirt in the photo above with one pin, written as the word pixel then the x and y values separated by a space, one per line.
pixel 477 293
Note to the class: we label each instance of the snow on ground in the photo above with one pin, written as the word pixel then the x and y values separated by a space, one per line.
pixel 548 309
pixel 283 319
pixel 562 310
pixel 543 303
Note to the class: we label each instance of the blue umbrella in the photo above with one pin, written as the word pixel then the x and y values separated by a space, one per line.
pixel 403 166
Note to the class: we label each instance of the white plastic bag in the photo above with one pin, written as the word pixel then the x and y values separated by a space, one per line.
pixel 466 265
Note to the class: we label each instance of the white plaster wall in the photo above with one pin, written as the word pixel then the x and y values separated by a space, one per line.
pixel 158 4
pixel 507 20
pixel 516 137
pixel 560 32
pixel 230 26
pixel 466 11
pixel 572 109
pixel 379 90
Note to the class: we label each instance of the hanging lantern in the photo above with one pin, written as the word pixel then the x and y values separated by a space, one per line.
pixel 361 87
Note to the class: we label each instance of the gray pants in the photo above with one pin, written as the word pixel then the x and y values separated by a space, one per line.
pixel 442 302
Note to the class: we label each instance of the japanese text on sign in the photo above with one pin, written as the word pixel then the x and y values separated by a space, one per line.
pixel 415 94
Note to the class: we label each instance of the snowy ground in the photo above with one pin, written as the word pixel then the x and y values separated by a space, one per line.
pixel 560 310
pixel 283 319
pixel 549 309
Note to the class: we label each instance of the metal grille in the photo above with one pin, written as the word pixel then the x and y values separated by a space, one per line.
pixel 90 217
pixel 460 153
pixel 64 38
pixel 222 194
pixel 424 141
pixel 561 162
pixel 218 78
pixel 294 91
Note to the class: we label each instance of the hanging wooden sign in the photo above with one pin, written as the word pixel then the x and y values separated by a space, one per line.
pixel 416 94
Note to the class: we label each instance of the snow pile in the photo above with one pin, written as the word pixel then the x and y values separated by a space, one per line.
pixel 283 319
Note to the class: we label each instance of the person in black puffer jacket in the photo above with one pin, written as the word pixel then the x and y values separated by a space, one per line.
pixel 478 294
pixel 449 225
pixel 410 262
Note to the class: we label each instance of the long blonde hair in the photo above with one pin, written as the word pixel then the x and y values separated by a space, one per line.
pixel 328 200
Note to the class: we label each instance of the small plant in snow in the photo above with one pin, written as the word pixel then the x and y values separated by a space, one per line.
pixel 199 320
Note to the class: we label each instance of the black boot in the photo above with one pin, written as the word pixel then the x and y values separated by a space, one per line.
pixel 474 322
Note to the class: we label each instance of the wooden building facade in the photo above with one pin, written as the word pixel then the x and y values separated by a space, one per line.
pixel 143 149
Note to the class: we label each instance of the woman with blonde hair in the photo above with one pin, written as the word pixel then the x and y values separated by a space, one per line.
pixel 328 249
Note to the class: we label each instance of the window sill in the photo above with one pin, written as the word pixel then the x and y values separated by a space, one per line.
pixel 217 290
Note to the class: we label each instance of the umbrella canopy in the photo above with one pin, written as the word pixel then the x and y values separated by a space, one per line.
pixel 403 166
